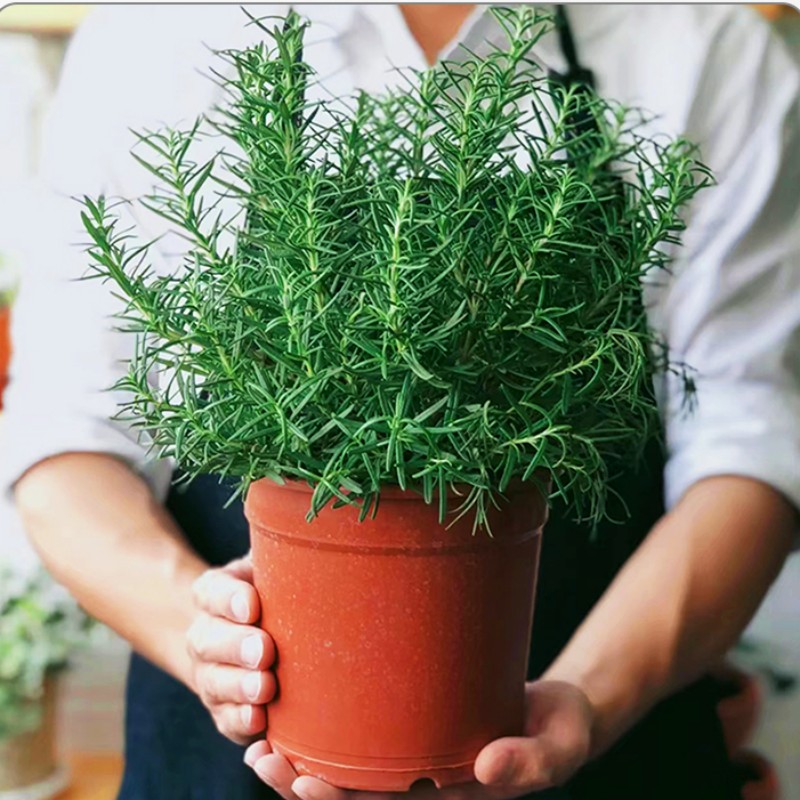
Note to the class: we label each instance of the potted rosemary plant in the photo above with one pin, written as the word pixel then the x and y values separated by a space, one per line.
pixel 39 628
pixel 401 321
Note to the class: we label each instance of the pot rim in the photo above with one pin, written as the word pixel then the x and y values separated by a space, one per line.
pixel 394 492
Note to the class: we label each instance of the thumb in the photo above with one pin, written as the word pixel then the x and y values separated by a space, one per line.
pixel 527 764
pixel 560 719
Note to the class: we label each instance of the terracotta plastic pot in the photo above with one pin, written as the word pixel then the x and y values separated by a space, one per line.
pixel 402 644
pixel 5 348
pixel 28 767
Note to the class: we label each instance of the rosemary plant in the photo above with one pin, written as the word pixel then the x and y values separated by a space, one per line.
pixel 435 287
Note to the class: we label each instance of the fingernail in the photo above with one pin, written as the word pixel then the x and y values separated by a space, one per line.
pixel 504 772
pixel 251 685
pixel 264 774
pixel 252 651
pixel 249 758
pixel 247 715
pixel 301 791
pixel 240 608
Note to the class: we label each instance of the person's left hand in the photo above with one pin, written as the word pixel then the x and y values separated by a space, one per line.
pixel 557 742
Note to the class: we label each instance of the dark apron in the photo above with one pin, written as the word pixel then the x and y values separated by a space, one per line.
pixel 173 751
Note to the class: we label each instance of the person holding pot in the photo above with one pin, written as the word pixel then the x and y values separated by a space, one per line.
pixel 625 629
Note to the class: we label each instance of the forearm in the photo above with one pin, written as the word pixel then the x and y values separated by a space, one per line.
pixel 102 534
pixel 680 602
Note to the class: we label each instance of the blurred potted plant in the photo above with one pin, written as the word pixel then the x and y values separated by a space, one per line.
pixel 39 628
pixel 6 295
pixel 739 705
pixel 401 321
pixel 757 776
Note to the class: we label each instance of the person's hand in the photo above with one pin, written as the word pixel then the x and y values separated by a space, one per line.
pixel 230 654
pixel 556 744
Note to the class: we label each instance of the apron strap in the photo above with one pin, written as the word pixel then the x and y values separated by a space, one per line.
pixel 577 78
pixel 576 72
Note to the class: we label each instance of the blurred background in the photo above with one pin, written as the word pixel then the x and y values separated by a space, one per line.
pixel 83 720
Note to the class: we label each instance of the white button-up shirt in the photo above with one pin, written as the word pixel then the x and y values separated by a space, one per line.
pixel 730 307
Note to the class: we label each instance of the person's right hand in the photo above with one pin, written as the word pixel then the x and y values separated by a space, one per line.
pixel 230 654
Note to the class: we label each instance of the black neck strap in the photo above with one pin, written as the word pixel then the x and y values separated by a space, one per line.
pixel 576 72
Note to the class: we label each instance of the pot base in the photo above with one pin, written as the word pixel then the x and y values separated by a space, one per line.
pixel 49 788
pixel 380 774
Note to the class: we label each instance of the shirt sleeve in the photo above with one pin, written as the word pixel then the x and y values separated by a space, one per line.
pixel 66 357
pixel 128 68
pixel 732 313
pixel 67 353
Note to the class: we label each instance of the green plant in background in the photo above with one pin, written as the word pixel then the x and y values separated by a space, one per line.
pixel 8 287
pixel 39 628
pixel 435 287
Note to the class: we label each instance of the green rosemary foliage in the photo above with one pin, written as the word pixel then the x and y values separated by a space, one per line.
pixel 435 287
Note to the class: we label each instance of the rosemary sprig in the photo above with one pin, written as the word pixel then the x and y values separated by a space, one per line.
pixel 434 287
